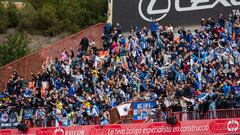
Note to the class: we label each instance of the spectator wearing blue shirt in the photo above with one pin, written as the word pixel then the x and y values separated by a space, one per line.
pixel 226 89
pixel 154 27
pixel 72 90
pixel 189 37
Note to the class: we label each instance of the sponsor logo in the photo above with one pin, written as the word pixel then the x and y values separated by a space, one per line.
pixel 232 125
pixel 58 131
pixel 195 5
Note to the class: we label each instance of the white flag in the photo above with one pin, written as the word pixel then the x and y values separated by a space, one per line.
pixel 124 109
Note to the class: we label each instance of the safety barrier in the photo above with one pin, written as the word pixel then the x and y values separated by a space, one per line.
pixel 33 62
pixel 161 116
pixel 51 123
pixel 217 114
pixel 10 119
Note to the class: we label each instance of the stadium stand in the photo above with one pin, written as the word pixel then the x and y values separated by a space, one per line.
pixel 191 77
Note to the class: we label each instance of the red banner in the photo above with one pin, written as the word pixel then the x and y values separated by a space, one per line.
pixel 201 127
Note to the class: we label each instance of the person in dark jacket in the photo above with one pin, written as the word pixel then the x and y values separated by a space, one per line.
pixel 84 44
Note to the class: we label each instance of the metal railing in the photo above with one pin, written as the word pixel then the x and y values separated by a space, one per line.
pixel 217 114
pixel 188 115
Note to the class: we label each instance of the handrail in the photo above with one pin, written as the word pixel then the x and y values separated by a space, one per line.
pixel 210 114
pixel 119 122
pixel 228 113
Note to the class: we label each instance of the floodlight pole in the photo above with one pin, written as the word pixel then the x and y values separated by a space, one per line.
pixel 110 10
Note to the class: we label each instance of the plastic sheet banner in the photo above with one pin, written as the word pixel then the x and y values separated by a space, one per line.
pixel 141 110
pixel 28 113
pixel 201 127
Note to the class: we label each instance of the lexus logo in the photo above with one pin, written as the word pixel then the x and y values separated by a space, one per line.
pixel 232 125
pixel 150 10
pixel 195 5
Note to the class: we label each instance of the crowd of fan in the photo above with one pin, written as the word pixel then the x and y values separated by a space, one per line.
pixel 198 72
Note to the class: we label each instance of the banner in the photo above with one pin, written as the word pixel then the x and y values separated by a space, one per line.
pixel 176 12
pixel 201 127
pixel 8 120
pixel 28 113
pixel 141 110
pixel 124 109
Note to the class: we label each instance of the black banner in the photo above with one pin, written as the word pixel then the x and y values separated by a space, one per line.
pixel 177 12
pixel 8 120
pixel 28 113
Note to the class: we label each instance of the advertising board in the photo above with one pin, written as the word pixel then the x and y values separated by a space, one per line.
pixel 201 127
pixel 177 12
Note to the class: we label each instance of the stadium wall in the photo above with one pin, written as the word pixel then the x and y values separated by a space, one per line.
pixel 201 127
pixel 33 62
